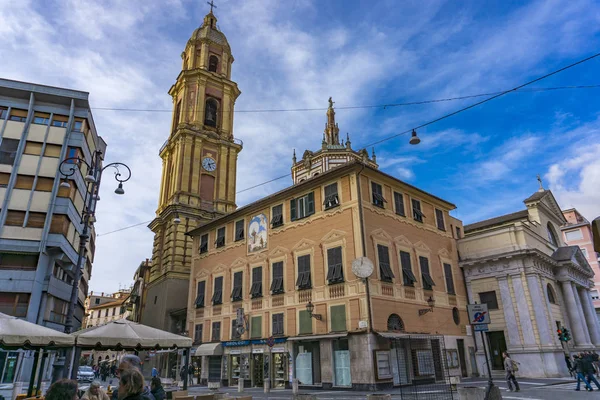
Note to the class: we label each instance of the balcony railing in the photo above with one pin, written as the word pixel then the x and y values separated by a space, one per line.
pixel 304 296
pixel 278 300
pixel 337 291
pixel 409 293
pixel 387 290
pixel 257 304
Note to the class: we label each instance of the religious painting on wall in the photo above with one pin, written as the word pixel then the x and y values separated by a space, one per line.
pixel 257 233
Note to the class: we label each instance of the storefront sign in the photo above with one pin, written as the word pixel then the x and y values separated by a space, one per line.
pixel 278 350
pixel 258 351
pixel 249 342
pixel 235 352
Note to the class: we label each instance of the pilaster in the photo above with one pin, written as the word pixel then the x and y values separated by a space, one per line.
pixel 590 316
pixel 541 318
pixel 574 317
pixel 586 332
pixel 523 311
pixel 512 328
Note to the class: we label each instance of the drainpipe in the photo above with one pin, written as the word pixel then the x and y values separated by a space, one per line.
pixel 364 247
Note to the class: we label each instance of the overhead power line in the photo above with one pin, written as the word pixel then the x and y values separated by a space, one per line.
pixel 493 96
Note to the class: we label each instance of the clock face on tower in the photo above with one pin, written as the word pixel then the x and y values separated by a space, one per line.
pixel 209 164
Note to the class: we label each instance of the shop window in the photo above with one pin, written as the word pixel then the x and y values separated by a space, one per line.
pixel 304 322
pixel 256 289
pixel 8 151
pixel 334 265
pixel 302 207
pixel 331 196
pixel 204 243
pixel 439 218
pixel 14 304
pixel 416 208
pixel 341 363
pixel 239 230
pixel 304 280
pixel 277 213
pixel 338 318
pixel 428 282
pixel 198 333
pixel 277 281
pixel 490 299
pixel 218 291
pixel 308 366
pixel 200 294
pixel 408 277
pixel 385 270
pixel 278 324
pixel 377 192
pixel 236 294
pixel 383 365
pixel 216 331
pixel 449 279
pixel 395 323
pixel 23 262
pixel 220 241
pixel 399 203
pixel 256 327
pixel 15 218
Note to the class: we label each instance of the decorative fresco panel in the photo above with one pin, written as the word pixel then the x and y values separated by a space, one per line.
pixel 257 233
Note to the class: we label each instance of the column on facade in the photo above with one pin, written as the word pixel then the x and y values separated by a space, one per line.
pixel 590 316
pixel 572 311
pixel 584 325
pixel 512 328
pixel 523 309
pixel 541 318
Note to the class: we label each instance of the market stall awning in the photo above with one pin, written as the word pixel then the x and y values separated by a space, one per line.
pixel 18 333
pixel 209 349
pixel 318 337
pixel 125 334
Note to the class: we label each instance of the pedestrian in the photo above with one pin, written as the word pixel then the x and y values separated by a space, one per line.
pixel 157 389
pixel 588 370
pixel 511 367
pixel 131 361
pixel 154 372
pixel 95 392
pixel 131 384
pixel 183 375
pixel 596 360
pixel 579 371
pixel 570 365
pixel 191 374
pixel 64 389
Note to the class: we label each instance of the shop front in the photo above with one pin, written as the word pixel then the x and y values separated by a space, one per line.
pixel 211 355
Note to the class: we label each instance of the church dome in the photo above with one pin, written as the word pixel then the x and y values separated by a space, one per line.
pixel 209 31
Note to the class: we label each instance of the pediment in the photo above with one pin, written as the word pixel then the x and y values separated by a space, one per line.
pixel 381 234
pixel 403 241
pixel 444 253
pixel 239 262
pixel 333 236
pixel 422 246
pixel 258 257
pixel 278 252
pixel 551 204
pixel 581 261
pixel 202 273
pixel 303 244
pixel 219 268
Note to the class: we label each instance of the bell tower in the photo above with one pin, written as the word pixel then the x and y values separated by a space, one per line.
pixel 199 167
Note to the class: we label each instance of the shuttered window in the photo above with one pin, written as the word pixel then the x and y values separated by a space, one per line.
pixel 239 230
pixel 439 218
pixel 408 277
pixel 277 216
pixel 200 294
pixel 304 281
pixel 277 324
pixel 36 220
pixel 377 192
pixel 449 279
pixel 256 327
pixel 256 289
pixel 24 182
pixel 44 184
pixel 416 208
pixel 428 282
pixel 198 333
pixel 41 118
pixel 331 196
pixel 385 270
pixel 302 207
pixel 277 281
pixel 21 262
pixel 216 331
pixel 52 150
pixel 220 242
pixel 33 148
pixel 338 318
pixel 204 243
pixel 15 218
pixel 218 291
pixel 305 322
pixel 4 177
pixel 236 293
pixel 334 265
pixel 60 224
pixel 399 203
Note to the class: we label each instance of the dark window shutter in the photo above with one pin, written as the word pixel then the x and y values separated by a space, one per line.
pixel 293 209
pixel 338 318
pixel 305 322
pixel 310 204
pixel 449 278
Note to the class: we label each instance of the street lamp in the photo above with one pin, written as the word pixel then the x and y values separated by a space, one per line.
pixel 430 303
pixel 68 168
pixel 310 307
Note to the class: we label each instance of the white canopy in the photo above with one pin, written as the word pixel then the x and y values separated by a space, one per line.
pixel 127 334
pixel 15 332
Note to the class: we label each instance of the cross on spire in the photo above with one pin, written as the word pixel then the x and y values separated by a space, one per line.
pixel 539 178
pixel 211 4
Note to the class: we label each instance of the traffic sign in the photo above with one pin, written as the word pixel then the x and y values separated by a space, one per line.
pixel 270 341
pixel 481 328
pixel 478 314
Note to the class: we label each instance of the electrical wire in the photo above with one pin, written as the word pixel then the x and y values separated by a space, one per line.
pixel 494 96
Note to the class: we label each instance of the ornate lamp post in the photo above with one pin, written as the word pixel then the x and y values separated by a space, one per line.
pixel 68 168
pixel 310 307
pixel 430 303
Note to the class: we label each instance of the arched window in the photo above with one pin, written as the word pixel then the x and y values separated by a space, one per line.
pixel 394 323
pixel 551 294
pixel 213 63
pixel 210 112
pixel 552 234
pixel 456 316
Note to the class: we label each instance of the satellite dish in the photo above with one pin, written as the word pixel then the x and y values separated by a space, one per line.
pixel 362 267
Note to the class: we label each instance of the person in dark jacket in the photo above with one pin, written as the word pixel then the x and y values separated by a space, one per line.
pixel 131 385
pixel 130 361
pixel 578 368
pixel 64 389
pixel 588 370
pixel 157 390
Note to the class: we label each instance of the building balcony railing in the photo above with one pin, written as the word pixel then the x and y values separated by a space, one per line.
pixel 278 300
pixel 336 291
pixel 257 304
pixel 304 296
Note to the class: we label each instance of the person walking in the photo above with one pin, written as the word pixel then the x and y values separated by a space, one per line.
pixel 578 368
pixel 154 372
pixel 570 366
pixel 596 360
pixel 183 375
pixel 511 367
pixel 588 370
pixel 131 385
pixel 157 389
pixel 128 362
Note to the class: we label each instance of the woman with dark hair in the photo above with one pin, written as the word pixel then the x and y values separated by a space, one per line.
pixel 131 385
pixel 64 389
pixel 156 388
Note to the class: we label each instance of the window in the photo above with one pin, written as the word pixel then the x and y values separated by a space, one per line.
pixel 490 299
pixel 200 294
pixel 216 331
pixel 33 148
pixel 3 112
pixel 570 235
pixel 14 304
pixel 416 207
pixel 155 299
pixel 428 282
pixel 235 333
pixel 78 126
pixel 177 116
pixel 239 230
pixel 408 277
pixel 97 301
pixel 277 324
pixel 595 295
pixel 304 322
pixel 60 121
pixel 256 327
pixel 439 219
pixel 36 220
pixel 277 213
pixel 218 291
pixel 24 182
pixel 15 218
pixel 277 282
pixel 395 323
pixel 44 184
pixel 198 333
pixel 458 232
pixel 73 152
pixel 449 278
pixel 399 203
pixel 551 294
pixel 4 177
pixel 304 281
pixel 338 318
pixel 236 293
pixel 456 315
pixel 106 312
pixel 256 289
pixel 302 207
pixel 8 151
pixel 210 112
pixel 60 224
pixel 385 270
pixel 41 118
pixel 331 196
pixel 378 198
pixel 213 63
pixel 552 235
pixel 18 115
pixel 58 312
pixel 584 251
pixel 220 242
pixel 114 311
pixel 334 265
pixel 204 243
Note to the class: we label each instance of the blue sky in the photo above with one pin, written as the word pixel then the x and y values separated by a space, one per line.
pixel 295 54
